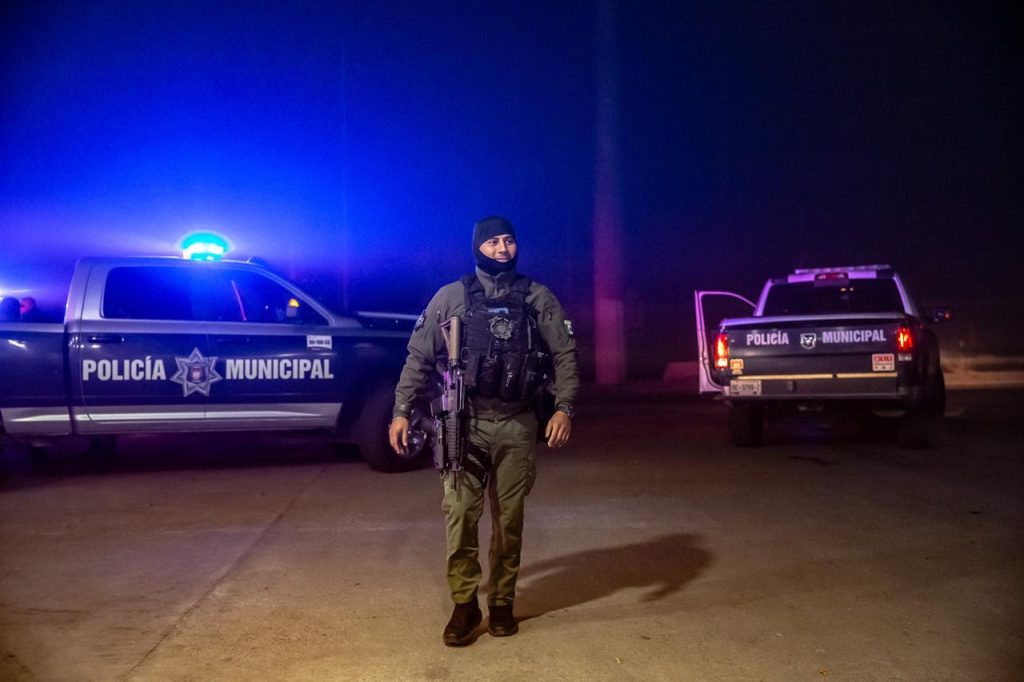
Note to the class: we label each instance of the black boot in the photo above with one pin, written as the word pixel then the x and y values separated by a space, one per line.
pixel 465 618
pixel 501 622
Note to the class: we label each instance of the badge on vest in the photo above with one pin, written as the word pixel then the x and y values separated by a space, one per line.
pixel 501 328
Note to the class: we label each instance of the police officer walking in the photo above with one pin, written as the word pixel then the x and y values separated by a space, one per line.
pixel 510 324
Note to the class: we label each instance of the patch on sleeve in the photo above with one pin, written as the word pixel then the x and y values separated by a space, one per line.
pixel 420 321
pixel 568 328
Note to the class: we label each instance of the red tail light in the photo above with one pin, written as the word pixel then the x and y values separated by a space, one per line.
pixel 904 340
pixel 722 351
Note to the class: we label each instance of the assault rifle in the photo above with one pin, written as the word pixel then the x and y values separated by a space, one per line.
pixel 450 446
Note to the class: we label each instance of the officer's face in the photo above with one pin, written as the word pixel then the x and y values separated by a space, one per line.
pixel 501 248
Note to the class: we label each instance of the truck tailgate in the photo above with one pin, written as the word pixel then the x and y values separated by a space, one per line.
pixel 802 358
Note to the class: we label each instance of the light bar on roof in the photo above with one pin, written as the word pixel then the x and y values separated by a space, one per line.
pixel 204 246
pixel 850 268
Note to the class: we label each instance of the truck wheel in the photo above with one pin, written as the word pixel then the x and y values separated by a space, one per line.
pixel 101 454
pixel 746 424
pixel 912 428
pixel 371 435
pixel 935 396
pixel 39 456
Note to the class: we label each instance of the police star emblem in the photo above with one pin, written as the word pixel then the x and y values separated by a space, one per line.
pixel 808 341
pixel 501 328
pixel 196 373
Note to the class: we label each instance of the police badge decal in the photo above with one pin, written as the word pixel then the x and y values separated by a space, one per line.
pixel 196 373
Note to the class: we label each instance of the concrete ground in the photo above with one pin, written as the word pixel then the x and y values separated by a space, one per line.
pixel 654 551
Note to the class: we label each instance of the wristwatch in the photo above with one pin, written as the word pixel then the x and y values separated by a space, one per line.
pixel 569 410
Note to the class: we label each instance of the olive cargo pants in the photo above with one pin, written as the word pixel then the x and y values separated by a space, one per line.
pixel 510 442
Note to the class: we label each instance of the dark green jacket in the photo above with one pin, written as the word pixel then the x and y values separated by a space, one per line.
pixel 426 346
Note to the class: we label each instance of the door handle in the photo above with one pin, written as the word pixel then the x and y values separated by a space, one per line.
pixel 105 338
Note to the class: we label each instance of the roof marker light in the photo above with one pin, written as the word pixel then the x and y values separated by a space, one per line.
pixel 204 246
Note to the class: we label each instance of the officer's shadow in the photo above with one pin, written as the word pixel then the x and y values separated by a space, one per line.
pixel 664 564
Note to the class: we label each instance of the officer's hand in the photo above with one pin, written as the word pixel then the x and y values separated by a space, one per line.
pixel 559 429
pixel 398 434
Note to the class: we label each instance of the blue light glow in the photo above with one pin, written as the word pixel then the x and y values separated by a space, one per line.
pixel 204 246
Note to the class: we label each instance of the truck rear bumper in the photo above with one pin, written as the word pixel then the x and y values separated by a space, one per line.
pixel 824 387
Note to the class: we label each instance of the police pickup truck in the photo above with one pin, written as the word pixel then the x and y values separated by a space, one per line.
pixel 822 339
pixel 167 344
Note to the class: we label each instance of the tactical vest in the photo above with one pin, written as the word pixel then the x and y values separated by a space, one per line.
pixel 502 350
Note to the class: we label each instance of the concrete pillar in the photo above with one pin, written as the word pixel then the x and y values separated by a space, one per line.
pixel 609 313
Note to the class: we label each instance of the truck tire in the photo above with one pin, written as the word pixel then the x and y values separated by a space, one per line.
pixel 102 453
pixel 39 457
pixel 935 396
pixel 371 435
pixel 912 428
pixel 746 424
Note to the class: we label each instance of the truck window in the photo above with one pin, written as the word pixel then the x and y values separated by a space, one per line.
pixel 241 296
pixel 852 296
pixel 148 293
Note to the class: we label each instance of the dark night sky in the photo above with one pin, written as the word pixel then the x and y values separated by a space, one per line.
pixel 754 137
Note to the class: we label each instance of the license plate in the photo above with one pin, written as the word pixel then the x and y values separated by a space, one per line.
pixel 745 387
pixel 883 362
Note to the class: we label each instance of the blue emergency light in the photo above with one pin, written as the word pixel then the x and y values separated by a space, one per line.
pixel 204 246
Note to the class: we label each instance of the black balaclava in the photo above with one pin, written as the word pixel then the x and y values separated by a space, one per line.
pixel 489 227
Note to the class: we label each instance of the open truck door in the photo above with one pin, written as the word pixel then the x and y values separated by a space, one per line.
pixel 714 306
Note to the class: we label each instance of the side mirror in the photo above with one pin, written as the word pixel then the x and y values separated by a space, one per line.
pixel 941 314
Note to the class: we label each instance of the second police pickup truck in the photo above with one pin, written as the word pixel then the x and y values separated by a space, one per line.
pixel 167 344
pixel 822 339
